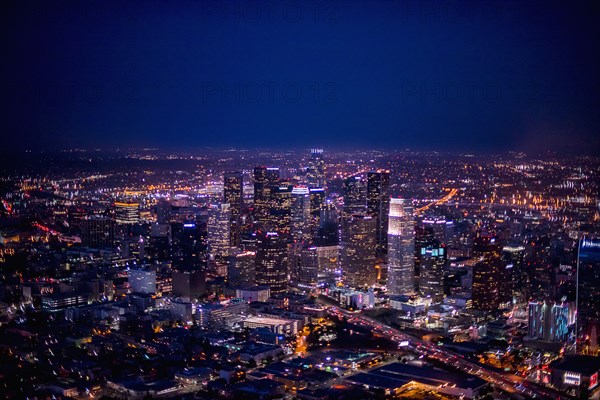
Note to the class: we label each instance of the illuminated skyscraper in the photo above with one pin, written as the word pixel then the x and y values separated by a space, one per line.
pixel 279 216
pixel 513 259
pixel 127 212
pixel 378 204
pixel 431 279
pixel 264 179
pixel 301 217
pixel 357 250
pixel 588 296
pixel 315 175
pixel 550 321
pixel 219 233
pixel 233 194
pixel 486 273
pixel 304 265
pixel 355 195
pixel 271 261
pixel 401 248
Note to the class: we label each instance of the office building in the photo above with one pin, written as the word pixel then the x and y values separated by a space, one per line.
pixel 378 204
pixel 233 194
pixel 431 279
pixel 127 212
pixel 301 218
pixel 358 250
pixel 241 268
pixel 98 231
pixel 219 230
pixel 401 248
pixel 264 179
pixel 355 193
pixel 304 265
pixel 271 261
pixel 315 174
pixel 189 285
pixel 486 273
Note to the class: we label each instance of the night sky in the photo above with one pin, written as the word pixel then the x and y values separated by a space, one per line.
pixel 476 76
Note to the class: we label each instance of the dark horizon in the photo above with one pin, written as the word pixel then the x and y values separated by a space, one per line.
pixel 479 77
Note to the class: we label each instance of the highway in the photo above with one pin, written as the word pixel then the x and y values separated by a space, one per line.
pixel 510 383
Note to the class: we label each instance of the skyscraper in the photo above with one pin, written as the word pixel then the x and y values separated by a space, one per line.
pixel 401 247
pixel 513 259
pixel 588 296
pixel 264 179
pixel 241 268
pixel 355 195
pixel 219 233
pixel 357 250
pixel 378 204
pixel 486 273
pixel 271 261
pixel 233 194
pixel 279 215
pixel 301 218
pixel 431 279
pixel 315 174
pixel 304 265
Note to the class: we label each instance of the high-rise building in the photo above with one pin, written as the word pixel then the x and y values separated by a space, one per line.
pixel 315 174
pixel 142 280
pixel 98 231
pixel 378 204
pixel 163 211
pixel 355 195
pixel 358 250
pixel 219 230
pixel 189 243
pixel 513 260
pixel 401 248
pixel 233 194
pixel 431 280
pixel 301 218
pixel 271 261
pixel 486 273
pixel 127 212
pixel 241 269
pixel 189 284
pixel 317 199
pixel 279 217
pixel 304 265
pixel 264 179
pixel 588 296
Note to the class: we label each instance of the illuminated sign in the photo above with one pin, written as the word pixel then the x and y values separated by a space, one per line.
pixel 572 378
pixel 593 381
pixel 189 225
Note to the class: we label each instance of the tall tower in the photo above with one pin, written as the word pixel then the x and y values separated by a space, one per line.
pixel 301 215
pixel 265 178
pixel 431 280
pixel 588 295
pixel 271 261
pixel 355 195
pixel 219 233
pixel 401 248
pixel 378 204
pixel 357 250
pixel 486 273
pixel 233 194
pixel 315 175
